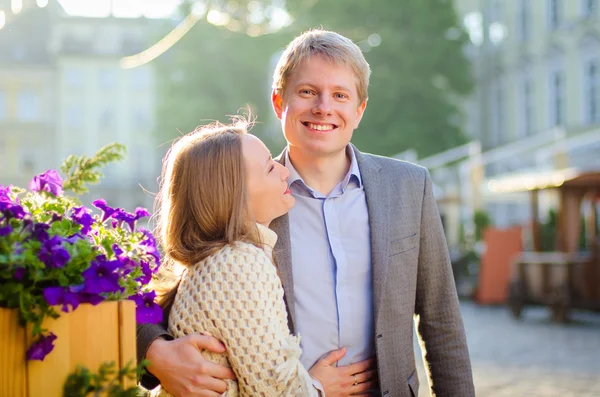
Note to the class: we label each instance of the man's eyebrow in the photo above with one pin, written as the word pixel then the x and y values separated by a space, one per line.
pixel 336 88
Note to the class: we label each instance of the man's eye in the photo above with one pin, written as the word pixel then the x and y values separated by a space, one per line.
pixel 341 96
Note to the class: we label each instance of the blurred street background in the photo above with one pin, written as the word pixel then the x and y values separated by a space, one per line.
pixel 499 99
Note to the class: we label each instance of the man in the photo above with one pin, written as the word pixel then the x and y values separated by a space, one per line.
pixel 360 255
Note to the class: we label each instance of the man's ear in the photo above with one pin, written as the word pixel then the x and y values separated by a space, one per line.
pixel 277 102
pixel 359 113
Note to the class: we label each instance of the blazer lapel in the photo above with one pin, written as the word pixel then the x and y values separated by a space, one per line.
pixel 378 205
pixel 283 256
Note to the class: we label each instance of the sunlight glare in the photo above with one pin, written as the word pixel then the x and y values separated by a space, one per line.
pixel 16 6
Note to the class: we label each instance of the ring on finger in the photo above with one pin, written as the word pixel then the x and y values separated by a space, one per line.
pixel 355 380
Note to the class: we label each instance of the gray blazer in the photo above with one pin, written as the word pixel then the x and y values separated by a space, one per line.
pixel 412 276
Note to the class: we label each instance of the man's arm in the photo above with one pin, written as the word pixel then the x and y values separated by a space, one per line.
pixel 440 324
pixel 146 334
pixel 178 364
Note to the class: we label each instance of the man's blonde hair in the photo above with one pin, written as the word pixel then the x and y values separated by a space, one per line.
pixel 332 46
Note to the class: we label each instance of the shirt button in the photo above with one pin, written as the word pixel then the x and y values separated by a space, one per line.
pixel 386 392
pixel 379 336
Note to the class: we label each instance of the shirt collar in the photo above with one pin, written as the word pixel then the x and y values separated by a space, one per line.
pixel 353 171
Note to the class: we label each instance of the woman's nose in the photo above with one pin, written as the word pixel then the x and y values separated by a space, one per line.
pixel 284 172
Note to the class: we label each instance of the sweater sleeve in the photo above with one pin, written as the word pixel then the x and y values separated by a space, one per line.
pixel 241 296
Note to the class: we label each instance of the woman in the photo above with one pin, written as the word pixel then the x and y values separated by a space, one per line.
pixel 220 190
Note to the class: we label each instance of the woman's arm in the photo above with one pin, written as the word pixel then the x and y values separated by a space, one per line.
pixel 242 296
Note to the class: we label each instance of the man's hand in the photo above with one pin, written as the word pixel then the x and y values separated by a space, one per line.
pixel 350 380
pixel 182 369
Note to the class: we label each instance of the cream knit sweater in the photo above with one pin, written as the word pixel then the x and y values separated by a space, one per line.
pixel 236 296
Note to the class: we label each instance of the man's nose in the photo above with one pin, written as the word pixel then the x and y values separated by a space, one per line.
pixel 322 105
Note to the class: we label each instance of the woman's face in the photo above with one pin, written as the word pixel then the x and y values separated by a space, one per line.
pixel 269 196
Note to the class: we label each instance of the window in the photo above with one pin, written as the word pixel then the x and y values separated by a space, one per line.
pixel 527 109
pixel 74 116
pixel 557 100
pixel 140 78
pixel 554 14
pixel 3 112
pixel 591 87
pixel 28 106
pixel 496 29
pixel 74 77
pixel 589 7
pixel 523 20
pixel 498 116
pixel 107 119
pixel 107 78
pixel 142 120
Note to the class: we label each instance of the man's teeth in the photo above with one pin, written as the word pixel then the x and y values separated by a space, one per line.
pixel 320 127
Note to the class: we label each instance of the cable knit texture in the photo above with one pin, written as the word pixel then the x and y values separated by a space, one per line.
pixel 236 296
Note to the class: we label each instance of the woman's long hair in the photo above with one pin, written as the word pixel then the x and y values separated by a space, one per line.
pixel 202 203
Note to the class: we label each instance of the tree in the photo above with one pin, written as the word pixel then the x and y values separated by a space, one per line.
pixel 414 47
pixel 210 74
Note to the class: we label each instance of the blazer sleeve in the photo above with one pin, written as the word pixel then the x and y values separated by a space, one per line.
pixel 440 324
pixel 145 335
pixel 244 300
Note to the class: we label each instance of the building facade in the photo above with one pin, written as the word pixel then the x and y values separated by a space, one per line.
pixel 536 107
pixel 63 91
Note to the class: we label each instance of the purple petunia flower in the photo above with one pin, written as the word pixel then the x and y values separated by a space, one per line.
pixel 40 349
pixel 40 232
pixel 11 210
pixel 130 219
pixel 81 216
pixel 56 218
pixel 49 181
pixel 70 296
pixel 53 254
pixel 146 273
pixel 19 274
pixel 4 191
pixel 107 211
pixel 150 246
pixel 147 311
pixel 102 276
pixel 5 230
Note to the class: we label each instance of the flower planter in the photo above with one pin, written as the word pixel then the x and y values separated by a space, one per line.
pixel 88 336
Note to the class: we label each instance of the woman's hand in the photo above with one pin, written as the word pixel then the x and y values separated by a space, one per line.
pixel 350 380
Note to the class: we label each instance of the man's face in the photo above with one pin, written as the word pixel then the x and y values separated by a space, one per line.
pixel 320 107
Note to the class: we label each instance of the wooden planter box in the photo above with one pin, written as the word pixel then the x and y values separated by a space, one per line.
pixel 88 336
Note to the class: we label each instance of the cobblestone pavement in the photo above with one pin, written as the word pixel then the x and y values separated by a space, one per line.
pixel 531 357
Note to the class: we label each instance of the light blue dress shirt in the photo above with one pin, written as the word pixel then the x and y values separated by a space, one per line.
pixel 331 259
